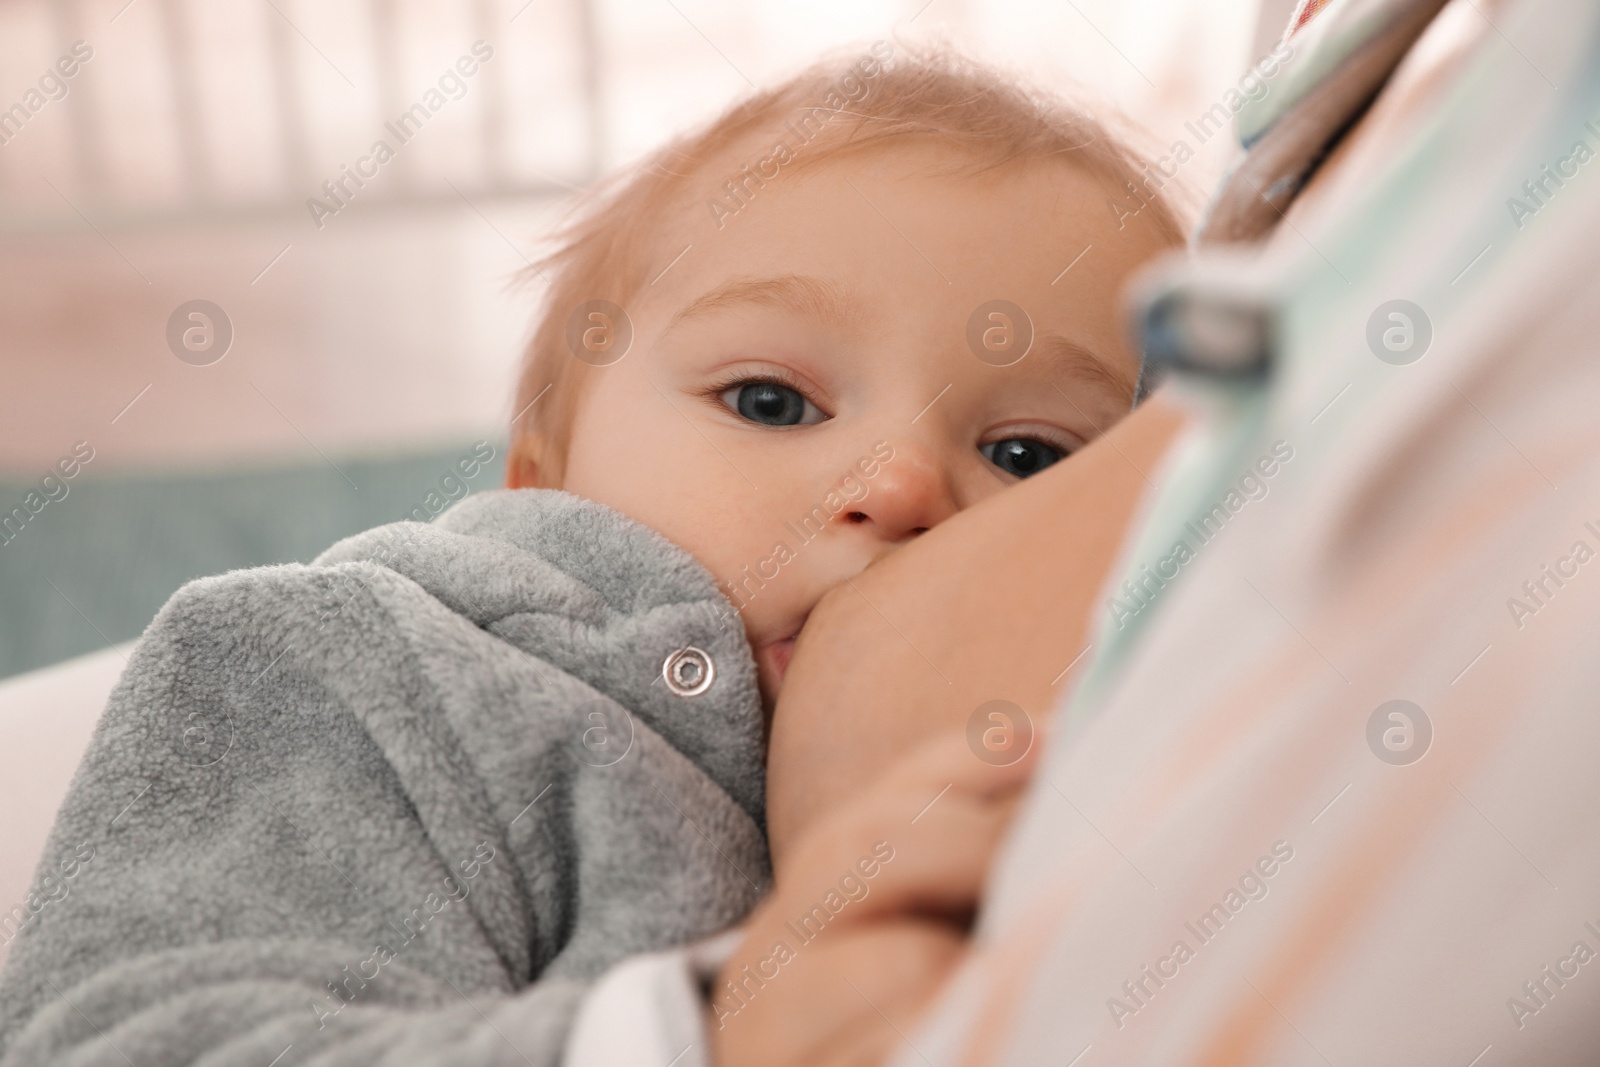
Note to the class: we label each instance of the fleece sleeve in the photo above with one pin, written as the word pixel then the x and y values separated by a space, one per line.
pixel 281 859
pixel 401 805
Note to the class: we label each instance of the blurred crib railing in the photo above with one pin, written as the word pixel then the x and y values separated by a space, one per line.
pixel 145 112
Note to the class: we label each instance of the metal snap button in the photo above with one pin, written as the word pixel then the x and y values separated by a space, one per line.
pixel 689 671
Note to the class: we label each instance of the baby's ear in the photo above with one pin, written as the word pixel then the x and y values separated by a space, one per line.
pixel 522 463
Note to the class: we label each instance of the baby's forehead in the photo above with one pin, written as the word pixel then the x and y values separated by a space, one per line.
pixel 904 192
pixel 866 231
pixel 724 200
pixel 737 173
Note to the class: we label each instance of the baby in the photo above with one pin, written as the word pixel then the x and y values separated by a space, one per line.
pixel 413 799
pixel 854 305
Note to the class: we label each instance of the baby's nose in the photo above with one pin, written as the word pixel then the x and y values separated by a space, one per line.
pixel 910 495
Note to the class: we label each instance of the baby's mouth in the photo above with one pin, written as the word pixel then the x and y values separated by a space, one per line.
pixel 775 657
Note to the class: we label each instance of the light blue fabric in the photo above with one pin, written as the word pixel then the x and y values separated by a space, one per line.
pixel 91 568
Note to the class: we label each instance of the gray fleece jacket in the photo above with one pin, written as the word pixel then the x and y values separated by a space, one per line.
pixel 400 805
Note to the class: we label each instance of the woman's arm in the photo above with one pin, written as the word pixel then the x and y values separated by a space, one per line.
pixel 994 603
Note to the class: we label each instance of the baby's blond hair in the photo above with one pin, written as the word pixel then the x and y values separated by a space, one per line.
pixel 840 104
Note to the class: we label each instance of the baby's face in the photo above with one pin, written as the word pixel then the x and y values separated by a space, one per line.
pixel 812 385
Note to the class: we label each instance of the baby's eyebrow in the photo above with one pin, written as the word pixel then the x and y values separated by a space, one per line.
pixel 1071 360
pixel 799 293
pixel 823 301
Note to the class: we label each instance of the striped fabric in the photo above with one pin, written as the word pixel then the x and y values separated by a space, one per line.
pixel 1331 794
pixel 1336 65
pixel 1304 13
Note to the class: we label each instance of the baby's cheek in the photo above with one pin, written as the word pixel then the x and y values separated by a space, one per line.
pixel 757 571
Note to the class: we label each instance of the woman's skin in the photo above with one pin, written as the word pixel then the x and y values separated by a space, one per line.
pixel 995 598
pixel 994 607
pixel 998 606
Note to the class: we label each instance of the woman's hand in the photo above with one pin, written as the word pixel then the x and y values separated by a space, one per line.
pixel 869 915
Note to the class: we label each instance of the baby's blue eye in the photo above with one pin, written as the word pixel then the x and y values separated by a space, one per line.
pixel 772 404
pixel 1021 456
